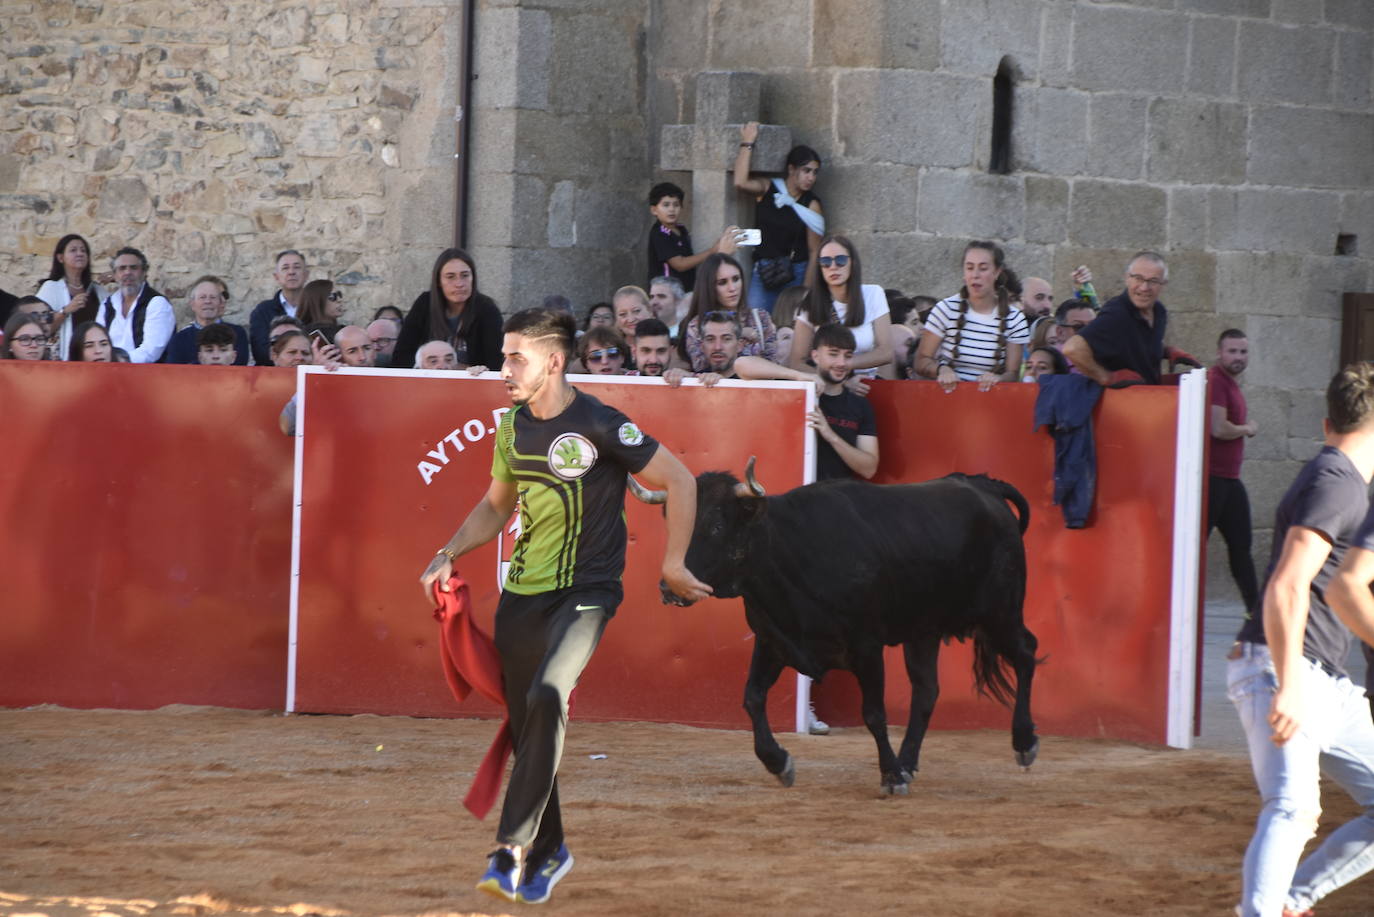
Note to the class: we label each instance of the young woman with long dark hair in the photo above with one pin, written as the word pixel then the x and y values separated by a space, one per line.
pixel 720 288
pixel 836 293
pixel 454 311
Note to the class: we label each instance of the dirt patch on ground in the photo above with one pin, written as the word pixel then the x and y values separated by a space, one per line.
pixel 202 811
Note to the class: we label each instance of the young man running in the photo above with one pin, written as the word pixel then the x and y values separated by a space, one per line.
pixel 1287 678
pixel 564 456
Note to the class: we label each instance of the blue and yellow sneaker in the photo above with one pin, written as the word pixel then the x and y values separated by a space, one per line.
pixel 537 887
pixel 502 876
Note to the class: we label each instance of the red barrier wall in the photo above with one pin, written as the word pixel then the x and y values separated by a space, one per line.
pixel 1097 598
pixel 370 524
pixel 147 545
pixel 147 536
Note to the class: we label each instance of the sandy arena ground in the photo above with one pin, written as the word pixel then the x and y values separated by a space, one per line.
pixel 198 811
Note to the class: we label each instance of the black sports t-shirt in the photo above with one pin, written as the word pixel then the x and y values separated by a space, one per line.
pixel 1330 496
pixel 570 471
pixel 664 245
pixel 851 417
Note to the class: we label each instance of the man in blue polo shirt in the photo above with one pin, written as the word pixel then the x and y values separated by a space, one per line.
pixel 1125 343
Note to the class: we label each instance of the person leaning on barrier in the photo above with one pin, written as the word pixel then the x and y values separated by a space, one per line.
pixel 1125 343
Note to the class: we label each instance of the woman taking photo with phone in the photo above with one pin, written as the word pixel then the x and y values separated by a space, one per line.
pixel 787 214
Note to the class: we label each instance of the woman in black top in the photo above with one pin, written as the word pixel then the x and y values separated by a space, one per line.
pixel 785 233
pixel 453 311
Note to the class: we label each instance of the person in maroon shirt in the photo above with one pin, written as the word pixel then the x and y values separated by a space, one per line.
pixel 1228 505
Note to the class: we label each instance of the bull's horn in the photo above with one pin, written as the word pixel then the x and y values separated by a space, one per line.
pixel 643 493
pixel 752 481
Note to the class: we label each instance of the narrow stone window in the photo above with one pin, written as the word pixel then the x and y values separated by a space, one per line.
pixel 1347 244
pixel 1003 85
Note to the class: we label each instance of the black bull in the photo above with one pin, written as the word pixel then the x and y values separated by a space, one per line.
pixel 833 572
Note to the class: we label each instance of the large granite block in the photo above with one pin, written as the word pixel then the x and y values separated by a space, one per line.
pixel 1127 49
pixel 1197 142
pixel 1280 63
pixel 1117 215
pixel 1273 220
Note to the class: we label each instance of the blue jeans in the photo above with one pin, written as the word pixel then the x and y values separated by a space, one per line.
pixel 1336 739
pixel 760 297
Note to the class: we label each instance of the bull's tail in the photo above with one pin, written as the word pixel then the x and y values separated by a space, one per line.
pixel 990 671
pixel 1005 491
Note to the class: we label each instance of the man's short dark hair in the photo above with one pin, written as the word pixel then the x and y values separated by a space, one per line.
pixel 29 301
pixel 833 334
pixel 282 254
pixel 130 250
pixel 538 324
pixel 216 335
pixel 1061 312
pixel 283 320
pixel 664 189
pixel 722 318
pixel 651 328
pixel 1350 398
pixel 1228 334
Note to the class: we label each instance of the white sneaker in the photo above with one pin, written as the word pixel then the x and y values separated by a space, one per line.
pixel 816 727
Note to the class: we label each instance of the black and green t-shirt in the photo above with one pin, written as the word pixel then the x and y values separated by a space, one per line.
pixel 570 473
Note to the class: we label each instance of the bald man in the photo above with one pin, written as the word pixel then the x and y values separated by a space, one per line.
pixel 1037 298
pixel 383 332
pixel 355 347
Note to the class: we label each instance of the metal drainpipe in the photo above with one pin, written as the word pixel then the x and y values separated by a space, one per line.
pixel 462 118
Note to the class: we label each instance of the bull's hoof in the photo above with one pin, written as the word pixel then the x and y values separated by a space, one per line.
pixel 898 784
pixel 788 775
pixel 1027 758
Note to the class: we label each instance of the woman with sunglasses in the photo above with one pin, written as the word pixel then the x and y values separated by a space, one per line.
pixel 720 288
pixel 602 351
pixel 321 304
pixel 70 290
pixel 976 336
pixel 90 344
pixel 837 293
pixel 25 338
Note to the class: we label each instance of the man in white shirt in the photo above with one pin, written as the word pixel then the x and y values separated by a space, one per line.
pixel 138 318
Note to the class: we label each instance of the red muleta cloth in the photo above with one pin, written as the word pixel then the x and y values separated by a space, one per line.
pixel 470 661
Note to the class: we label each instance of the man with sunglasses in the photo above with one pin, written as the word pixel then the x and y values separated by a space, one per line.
pixel 1125 343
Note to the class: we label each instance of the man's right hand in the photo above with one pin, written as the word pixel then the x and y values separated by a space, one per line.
pixel 749 131
pixel 440 569
pixel 682 583
pixel 1283 714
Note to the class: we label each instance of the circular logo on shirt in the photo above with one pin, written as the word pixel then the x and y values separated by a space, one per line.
pixel 571 456
pixel 631 435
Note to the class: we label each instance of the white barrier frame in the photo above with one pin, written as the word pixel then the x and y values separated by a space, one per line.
pixel 581 379
pixel 1187 545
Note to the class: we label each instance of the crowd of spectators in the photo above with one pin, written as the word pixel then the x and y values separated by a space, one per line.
pixel 703 312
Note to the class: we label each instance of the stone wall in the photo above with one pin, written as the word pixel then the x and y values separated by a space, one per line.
pixel 212 136
pixel 560 159
pixel 1235 136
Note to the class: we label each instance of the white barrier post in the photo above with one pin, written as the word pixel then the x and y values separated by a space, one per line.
pixel 1183 610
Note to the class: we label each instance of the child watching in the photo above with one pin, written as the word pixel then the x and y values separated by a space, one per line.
pixel 215 345
pixel 670 244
